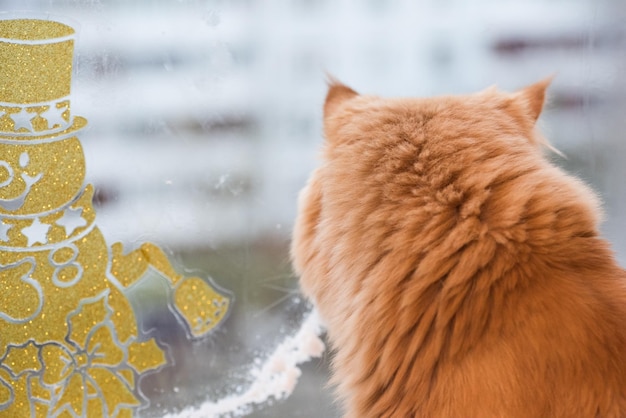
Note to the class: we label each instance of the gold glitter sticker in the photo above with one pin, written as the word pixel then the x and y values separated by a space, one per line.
pixel 71 344
pixel 38 70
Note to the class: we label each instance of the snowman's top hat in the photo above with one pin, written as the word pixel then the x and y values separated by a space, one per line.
pixel 35 77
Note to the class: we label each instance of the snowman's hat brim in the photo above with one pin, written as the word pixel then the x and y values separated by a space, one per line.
pixel 77 124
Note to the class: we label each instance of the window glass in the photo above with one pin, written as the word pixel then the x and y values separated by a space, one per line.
pixel 204 121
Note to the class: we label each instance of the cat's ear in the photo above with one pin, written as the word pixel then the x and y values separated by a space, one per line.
pixel 337 94
pixel 532 98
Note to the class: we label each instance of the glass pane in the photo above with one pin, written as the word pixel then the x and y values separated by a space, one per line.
pixel 204 121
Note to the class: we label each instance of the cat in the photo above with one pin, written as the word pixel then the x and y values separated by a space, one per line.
pixel 459 273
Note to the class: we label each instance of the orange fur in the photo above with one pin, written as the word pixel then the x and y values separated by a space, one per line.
pixel 459 273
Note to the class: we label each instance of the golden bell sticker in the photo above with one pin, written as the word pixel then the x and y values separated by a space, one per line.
pixel 70 344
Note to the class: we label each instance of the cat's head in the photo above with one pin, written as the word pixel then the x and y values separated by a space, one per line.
pixel 402 175
pixel 473 115
pixel 439 152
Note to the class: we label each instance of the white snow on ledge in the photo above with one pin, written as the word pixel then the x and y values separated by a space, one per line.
pixel 276 378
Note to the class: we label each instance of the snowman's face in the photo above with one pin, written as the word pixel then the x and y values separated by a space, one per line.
pixel 38 177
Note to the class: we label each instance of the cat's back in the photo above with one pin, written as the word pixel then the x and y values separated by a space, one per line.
pixel 558 351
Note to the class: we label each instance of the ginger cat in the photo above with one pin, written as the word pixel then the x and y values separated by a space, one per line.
pixel 459 273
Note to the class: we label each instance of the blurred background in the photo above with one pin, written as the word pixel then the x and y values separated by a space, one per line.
pixel 205 120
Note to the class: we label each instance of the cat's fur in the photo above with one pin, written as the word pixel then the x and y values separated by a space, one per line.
pixel 459 273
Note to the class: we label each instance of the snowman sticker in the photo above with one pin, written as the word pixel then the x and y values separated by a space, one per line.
pixel 70 344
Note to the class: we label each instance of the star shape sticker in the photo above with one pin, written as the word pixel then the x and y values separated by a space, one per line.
pixel 54 115
pixel 36 233
pixel 22 119
pixel 71 220
pixel 4 231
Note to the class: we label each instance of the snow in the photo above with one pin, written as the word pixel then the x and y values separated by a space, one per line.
pixel 276 378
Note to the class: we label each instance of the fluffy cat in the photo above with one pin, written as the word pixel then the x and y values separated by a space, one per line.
pixel 459 273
